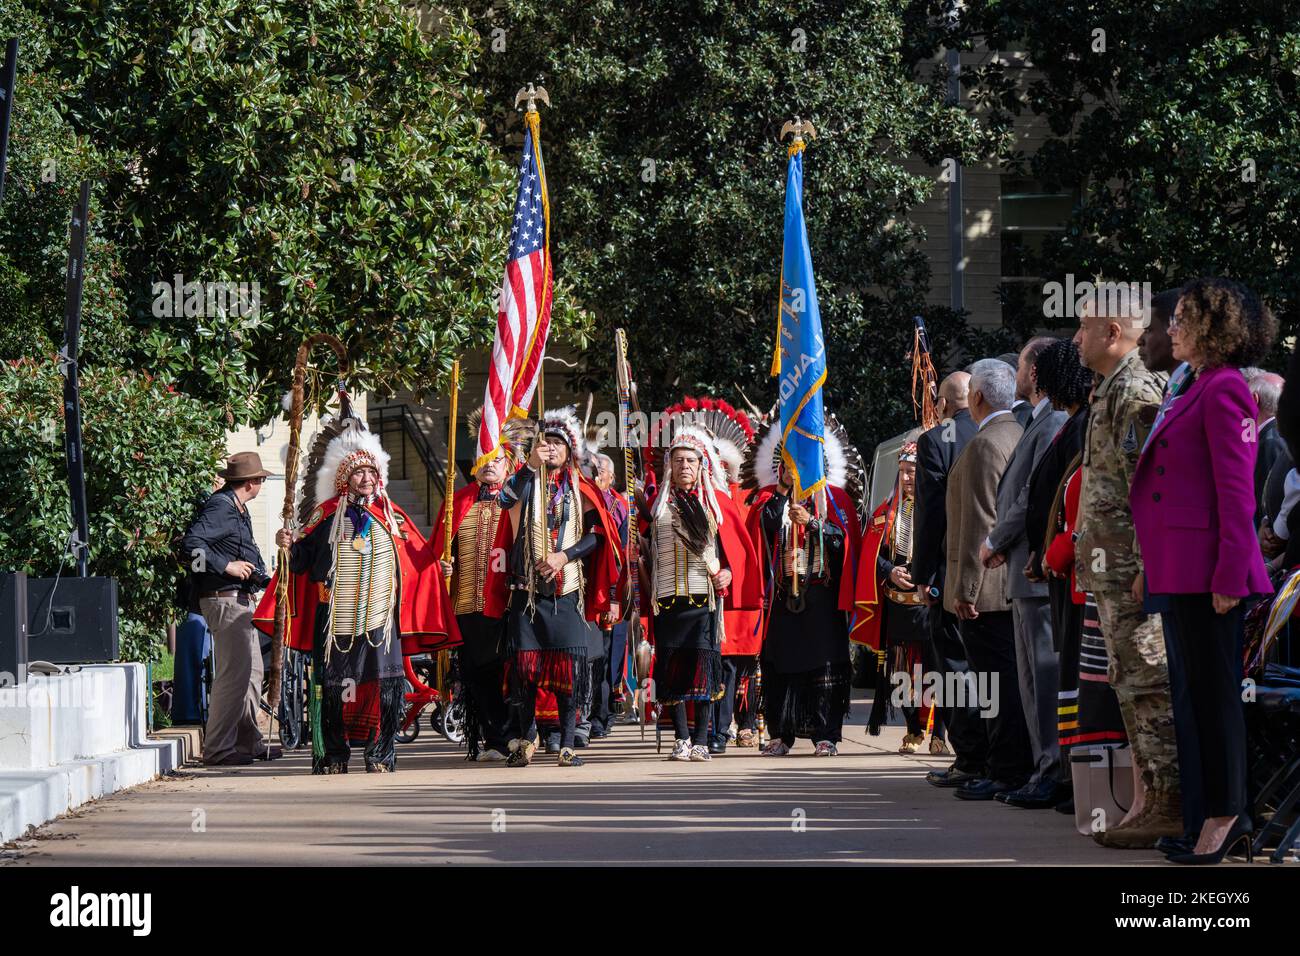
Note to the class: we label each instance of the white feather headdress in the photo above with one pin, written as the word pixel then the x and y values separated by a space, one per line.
pixel 844 466
pixel 354 446
pixel 712 476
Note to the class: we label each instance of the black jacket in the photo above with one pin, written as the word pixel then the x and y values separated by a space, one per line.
pixel 936 451
pixel 222 533
pixel 1269 448
pixel 1046 479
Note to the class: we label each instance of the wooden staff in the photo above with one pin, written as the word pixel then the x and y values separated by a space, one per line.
pixel 274 675
pixel 450 491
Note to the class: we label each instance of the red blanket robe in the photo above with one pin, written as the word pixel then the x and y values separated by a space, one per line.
pixel 425 622
pixel 867 617
pixel 497 588
pixel 744 626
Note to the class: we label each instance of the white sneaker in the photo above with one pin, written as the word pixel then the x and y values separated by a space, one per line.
pixel 488 755
pixel 825 749
pixel 681 750
pixel 700 754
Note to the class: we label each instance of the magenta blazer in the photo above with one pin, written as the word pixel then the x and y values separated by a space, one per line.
pixel 1193 493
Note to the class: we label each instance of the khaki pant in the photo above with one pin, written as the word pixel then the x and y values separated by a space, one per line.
pixel 236 681
pixel 1139 675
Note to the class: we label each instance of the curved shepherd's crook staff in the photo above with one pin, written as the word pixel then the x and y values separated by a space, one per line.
pixel 286 513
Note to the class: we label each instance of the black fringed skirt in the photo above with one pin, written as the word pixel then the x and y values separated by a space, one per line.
pixel 549 647
pixel 688 662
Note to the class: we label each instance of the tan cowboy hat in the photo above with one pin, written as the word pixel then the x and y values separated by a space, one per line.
pixel 242 466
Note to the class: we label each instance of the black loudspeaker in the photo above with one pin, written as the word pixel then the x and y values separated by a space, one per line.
pixel 13 629
pixel 72 620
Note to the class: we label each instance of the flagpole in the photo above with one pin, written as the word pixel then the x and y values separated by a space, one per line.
pixel 450 488
pixel 532 119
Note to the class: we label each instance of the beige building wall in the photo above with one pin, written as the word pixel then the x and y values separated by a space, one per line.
pixel 981 213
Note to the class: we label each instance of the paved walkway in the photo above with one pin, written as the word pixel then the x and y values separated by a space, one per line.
pixel 627 805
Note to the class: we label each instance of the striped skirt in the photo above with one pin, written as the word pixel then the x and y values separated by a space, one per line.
pixel 1087 708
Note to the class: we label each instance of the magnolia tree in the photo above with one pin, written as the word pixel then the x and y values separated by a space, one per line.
pixel 668 177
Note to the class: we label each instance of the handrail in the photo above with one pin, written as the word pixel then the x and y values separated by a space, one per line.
pixel 402 420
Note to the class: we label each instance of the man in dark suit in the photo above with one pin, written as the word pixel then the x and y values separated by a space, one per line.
pixel 1022 409
pixel 1266 389
pixel 1031 611
pixel 936 450
pixel 976 593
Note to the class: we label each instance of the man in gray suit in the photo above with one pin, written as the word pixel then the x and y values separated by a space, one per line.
pixel 977 594
pixel 1031 613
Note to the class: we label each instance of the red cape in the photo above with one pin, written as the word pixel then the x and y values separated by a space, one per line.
pixel 843 515
pixel 866 624
pixel 744 625
pixel 426 622
pixel 497 588
pixel 605 573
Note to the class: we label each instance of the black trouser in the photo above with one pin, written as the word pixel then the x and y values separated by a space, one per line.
pixel 526 717
pixel 617 656
pixel 967 732
pixel 382 747
pixel 729 705
pixel 991 651
pixel 1205 654
pixel 702 710
pixel 491 708
pixel 600 688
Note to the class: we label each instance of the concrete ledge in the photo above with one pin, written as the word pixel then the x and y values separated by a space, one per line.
pixel 33 797
pixel 70 738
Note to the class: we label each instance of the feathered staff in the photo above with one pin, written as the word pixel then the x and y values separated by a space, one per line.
pixel 625 401
pixel 286 513
pixel 925 381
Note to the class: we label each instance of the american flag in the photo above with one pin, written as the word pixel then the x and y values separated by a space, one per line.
pixel 524 309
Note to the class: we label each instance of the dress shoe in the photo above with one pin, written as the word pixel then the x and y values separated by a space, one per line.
pixel 1171 845
pixel 717 745
pixel 231 760
pixel 1039 796
pixel 952 777
pixel 983 789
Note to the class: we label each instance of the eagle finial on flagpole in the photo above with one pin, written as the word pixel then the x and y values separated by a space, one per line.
pixel 532 94
pixel 798 127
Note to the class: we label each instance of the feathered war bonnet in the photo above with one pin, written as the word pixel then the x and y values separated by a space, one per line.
pixel 516 437
pixel 562 423
pixel 712 476
pixel 844 465
pixel 342 445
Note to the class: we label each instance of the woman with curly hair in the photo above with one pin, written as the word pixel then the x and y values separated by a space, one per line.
pixel 1193 505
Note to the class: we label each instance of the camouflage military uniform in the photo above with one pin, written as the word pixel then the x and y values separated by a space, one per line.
pixel 1123 410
